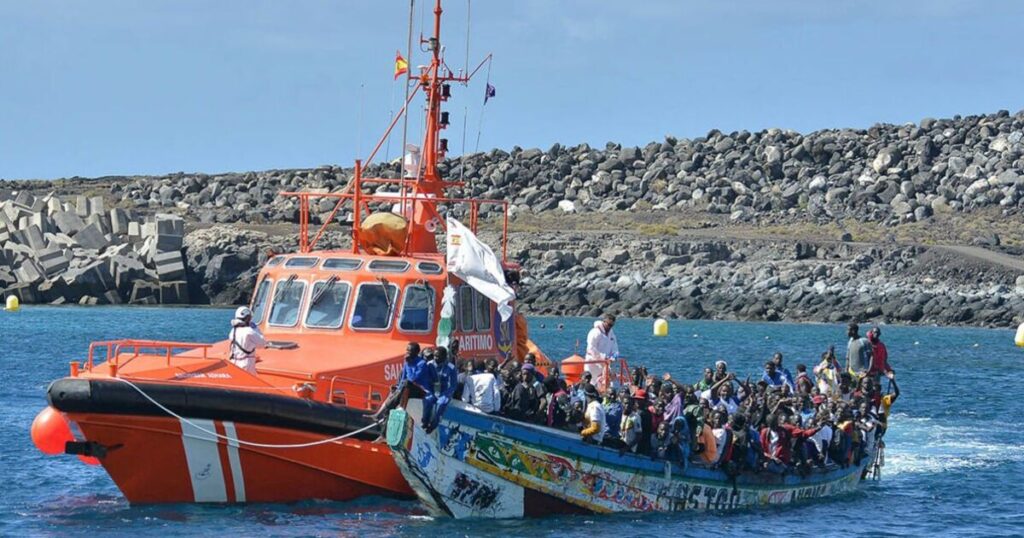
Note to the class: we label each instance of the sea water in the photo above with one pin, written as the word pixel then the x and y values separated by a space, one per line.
pixel 954 461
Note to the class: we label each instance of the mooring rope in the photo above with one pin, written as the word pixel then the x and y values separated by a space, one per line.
pixel 235 439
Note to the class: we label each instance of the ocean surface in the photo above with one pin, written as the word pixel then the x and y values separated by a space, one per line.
pixel 954 463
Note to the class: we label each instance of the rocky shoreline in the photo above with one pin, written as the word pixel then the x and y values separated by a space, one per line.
pixel 875 224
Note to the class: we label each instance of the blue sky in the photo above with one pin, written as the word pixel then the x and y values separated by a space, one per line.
pixel 104 87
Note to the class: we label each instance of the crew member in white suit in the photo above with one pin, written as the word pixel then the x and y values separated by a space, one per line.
pixel 245 340
pixel 601 345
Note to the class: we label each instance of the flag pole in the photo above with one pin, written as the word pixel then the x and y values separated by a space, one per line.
pixel 408 73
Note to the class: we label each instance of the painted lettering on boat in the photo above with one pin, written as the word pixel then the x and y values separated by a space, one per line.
pixel 472 492
pixel 393 372
pixel 476 342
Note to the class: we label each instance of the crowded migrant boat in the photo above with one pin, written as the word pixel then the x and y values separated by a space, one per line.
pixel 774 436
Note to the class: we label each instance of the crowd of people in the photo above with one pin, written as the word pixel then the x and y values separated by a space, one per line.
pixel 825 414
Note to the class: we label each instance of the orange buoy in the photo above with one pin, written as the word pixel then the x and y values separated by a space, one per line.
pixel 572 369
pixel 50 431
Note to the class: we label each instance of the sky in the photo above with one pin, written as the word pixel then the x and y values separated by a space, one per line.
pixel 119 87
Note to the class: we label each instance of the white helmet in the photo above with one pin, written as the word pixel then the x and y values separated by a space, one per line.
pixel 243 312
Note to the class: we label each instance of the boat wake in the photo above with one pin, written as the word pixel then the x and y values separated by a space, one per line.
pixel 919 445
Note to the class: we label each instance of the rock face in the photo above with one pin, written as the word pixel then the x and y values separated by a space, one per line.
pixel 764 280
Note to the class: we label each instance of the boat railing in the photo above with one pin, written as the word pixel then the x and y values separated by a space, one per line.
pixel 609 376
pixel 356 393
pixel 116 353
pixel 361 202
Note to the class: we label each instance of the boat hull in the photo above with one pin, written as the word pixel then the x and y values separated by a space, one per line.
pixel 156 458
pixel 479 466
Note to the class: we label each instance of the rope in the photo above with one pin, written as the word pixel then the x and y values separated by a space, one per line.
pixel 235 439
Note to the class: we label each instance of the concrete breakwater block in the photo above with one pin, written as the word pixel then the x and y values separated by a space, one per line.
pixel 53 261
pixel 68 222
pixel 169 266
pixel 92 237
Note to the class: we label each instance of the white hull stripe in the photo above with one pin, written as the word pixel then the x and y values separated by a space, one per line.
pixel 234 461
pixel 204 468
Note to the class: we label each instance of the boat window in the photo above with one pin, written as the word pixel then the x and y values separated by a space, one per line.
pixel 327 304
pixel 466 309
pixel 301 262
pixel 429 268
pixel 374 307
pixel 389 266
pixel 275 261
pixel 483 313
pixel 417 309
pixel 259 302
pixel 284 311
pixel 342 264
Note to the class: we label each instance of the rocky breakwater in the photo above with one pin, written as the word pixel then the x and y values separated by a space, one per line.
pixel 888 173
pixel 58 252
pixel 764 280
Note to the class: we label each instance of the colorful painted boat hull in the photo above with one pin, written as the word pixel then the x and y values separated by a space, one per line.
pixel 480 466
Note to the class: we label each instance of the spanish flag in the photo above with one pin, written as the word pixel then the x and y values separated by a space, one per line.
pixel 401 66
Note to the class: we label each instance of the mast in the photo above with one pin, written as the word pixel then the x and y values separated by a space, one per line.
pixel 421 189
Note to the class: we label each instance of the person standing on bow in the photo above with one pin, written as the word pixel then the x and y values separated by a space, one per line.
pixel 245 340
pixel 879 356
pixel 602 348
pixel 858 351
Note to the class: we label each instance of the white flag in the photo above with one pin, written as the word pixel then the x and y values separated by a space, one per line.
pixel 475 263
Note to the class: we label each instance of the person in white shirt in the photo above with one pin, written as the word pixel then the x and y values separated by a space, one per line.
pixel 483 390
pixel 245 340
pixel 596 424
pixel 601 345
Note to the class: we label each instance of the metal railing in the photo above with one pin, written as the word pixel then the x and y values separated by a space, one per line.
pixel 356 393
pixel 114 351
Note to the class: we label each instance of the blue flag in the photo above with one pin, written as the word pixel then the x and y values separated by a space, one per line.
pixel 488 92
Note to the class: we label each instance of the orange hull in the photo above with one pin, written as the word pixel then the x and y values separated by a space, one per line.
pixel 163 460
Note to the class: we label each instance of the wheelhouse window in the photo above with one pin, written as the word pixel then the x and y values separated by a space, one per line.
pixel 327 304
pixel 466 309
pixel 375 305
pixel 389 266
pixel 483 312
pixel 417 309
pixel 429 268
pixel 284 312
pixel 342 264
pixel 301 262
pixel 259 302
pixel 276 260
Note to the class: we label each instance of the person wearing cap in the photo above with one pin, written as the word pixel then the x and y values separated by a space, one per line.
pixel 602 348
pixel 643 409
pixel 245 340
pixel 594 423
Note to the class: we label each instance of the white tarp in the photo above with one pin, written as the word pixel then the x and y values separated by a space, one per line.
pixel 477 265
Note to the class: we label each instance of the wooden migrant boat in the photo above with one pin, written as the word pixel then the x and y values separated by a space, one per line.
pixel 475 465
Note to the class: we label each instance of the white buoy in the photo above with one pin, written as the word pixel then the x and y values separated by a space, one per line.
pixel 660 327
pixel 13 305
pixel 1019 339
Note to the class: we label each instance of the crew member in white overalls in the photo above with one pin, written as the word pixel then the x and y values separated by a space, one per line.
pixel 245 340
pixel 601 346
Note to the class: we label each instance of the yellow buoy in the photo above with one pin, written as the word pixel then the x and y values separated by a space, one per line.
pixel 1019 340
pixel 660 327
pixel 12 304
